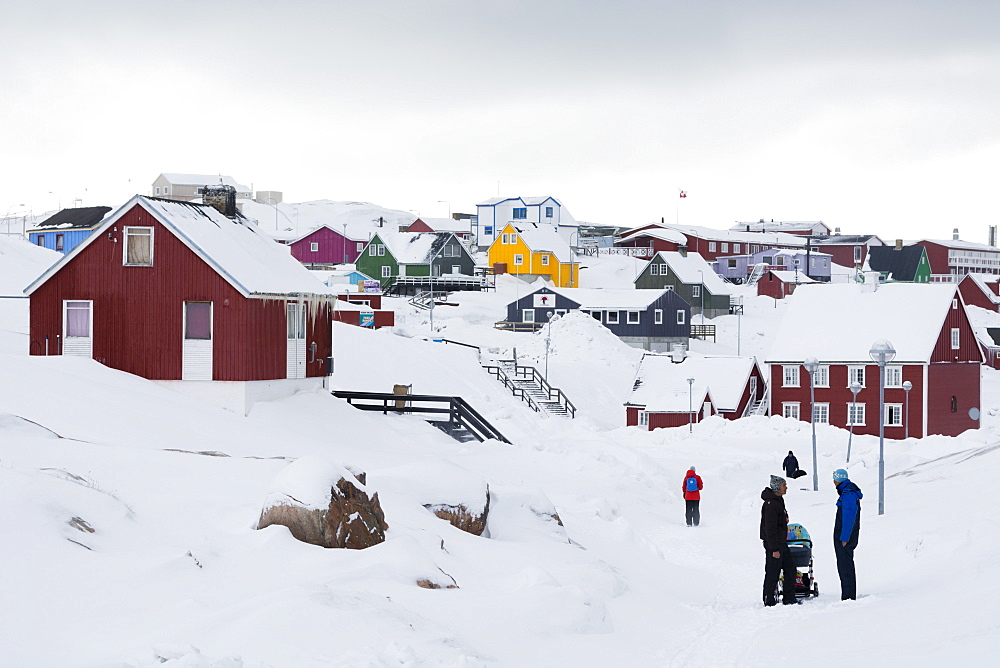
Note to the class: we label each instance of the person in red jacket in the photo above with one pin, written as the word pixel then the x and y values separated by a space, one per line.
pixel 692 497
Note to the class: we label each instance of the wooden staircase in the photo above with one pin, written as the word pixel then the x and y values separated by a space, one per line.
pixel 532 388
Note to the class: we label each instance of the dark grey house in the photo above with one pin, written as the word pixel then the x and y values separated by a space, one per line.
pixel 653 320
pixel 691 277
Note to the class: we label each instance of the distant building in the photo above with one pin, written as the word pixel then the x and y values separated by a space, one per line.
pixel 801 228
pixel 707 242
pixel 738 268
pixel 950 260
pixel 780 284
pixel 495 214
pixel 185 187
pixel 899 263
pixel 67 228
pixel 847 250
pixel 691 278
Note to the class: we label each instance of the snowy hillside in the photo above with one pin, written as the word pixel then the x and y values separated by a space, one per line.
pixel 21 263
pixel 288 220
pixel 129 532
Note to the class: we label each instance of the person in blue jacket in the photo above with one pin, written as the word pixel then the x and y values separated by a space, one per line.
pixel 846 529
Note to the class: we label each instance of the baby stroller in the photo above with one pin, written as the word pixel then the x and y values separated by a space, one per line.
pixel 800 546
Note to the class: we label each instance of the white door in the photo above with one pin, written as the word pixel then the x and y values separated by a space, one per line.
pixel 78 328
pixel 296 358
pixel 196 358
pixel 753 389
pixel 456 269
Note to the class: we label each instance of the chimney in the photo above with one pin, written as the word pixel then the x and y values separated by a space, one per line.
pixel 220 197
pixel 678 352
pixel 836 231
pixel 683 250
pixel 954 234
pixel 748 227
pixel 993 235
pixel 899 244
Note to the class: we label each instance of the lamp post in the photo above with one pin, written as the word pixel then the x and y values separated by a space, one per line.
pixel 701 291
pixel 548 338
pixel 881 353
pixel 855 388
pixel 907 386
pixel 345 243
pixel 690 404
pixel 739 317
pixel 811 364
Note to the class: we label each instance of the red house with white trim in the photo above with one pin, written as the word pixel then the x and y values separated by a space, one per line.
pixel 177 291
pixel 980 290
pixel 778 284
pixel 936 351
pixel 709 243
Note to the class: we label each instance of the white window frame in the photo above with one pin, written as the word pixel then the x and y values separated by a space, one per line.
pixel 790 375
pixel 528 315
pixel 505 239
pixel 545 260
pixel 822 376
pixel 166 190
pixel 127 234
pixel 632 317
pixel 518 260
pixel 856 373
pixel 893 375
pixel 855 414
pixel 790 409
pixel 644 418
pixel 894 411
pixel 711 246
pixel 157 190
pixel 313 246
pixel 956 338
pixel 736 248
pixel 857 255
pixel 360 247
pixel 821 412
pixel 695 291
pixel 611 317
pixel 372 250
pixel 954 304
pixel 386 271
pixel 724 247
pixel 654 269
pixel 381 249
pixel 681 317
pixel 658 316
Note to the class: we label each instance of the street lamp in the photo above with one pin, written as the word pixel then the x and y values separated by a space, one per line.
pixel 739 317
pixel 855 388
pixel 548 338
pixel 907 386
pixel 690 405
pixel 345 243
pixel 811 364
pixel 881 353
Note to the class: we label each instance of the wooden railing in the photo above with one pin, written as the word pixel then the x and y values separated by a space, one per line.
pixel 703 331
pixel 458 411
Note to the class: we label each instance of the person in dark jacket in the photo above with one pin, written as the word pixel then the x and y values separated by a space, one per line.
pixel 692 497
pixel 846 530
pixel 791 465
pixel 774 534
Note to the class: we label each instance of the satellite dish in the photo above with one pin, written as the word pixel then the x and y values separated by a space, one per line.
pixel 974 413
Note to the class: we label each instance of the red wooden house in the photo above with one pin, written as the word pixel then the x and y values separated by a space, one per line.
pixel 709 243
pixel 980 290
pixel 936 351
pixel 326 245
pixel 177 291
pixel 363 309
pixel 731 387
pixel 779 284
pixel 958 258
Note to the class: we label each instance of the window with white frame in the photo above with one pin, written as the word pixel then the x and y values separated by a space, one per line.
pixel 711 246
pixel 736 248
pixel 313 246
pixel 893 415
pixel 643 418
pixel 372 250
pixel 956 338
pixel 821 413
pixel 681 317
pixel 545 260
pixel 724 247
pixel 732 263
pixel 360 247
pixel 157 190
pixel 696 291
pixel 658 316
pixel 611 318
pixel 954 304
pixel 138 246
pixel 386 271
pixel 381 249
pixel 505 238
pixel 857 255
pixel 790 375
pixel 518 259
pixel 893 376
pixel 790 409
pixel 855 415
pixel 654 270
pixel 822 376
pixel 632 318
pixel 856 374
pixel 528 315
pixel 166 190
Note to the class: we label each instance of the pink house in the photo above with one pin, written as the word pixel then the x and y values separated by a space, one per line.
pixel 325 246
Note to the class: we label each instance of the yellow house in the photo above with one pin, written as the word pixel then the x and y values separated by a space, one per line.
pixel 532 250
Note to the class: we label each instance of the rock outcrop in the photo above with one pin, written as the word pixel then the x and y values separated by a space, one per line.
pixel 460 516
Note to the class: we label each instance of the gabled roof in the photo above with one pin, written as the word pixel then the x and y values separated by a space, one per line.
pixel 692 269
pixel 447 225
pixel 244 256
pixel 779 225
pixel 79 218
pixel 790 276
pixel 661 385
pixel 663 233
pixel 544 238
pixel 600 299
pixel 958 243
pixel 980 281
pixel 528 201
pixel 900 265
pixel 417 247
pixel 839 323
pixel 844 239
pixel 203 180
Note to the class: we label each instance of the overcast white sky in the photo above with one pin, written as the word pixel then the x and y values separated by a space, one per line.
pixel 875 117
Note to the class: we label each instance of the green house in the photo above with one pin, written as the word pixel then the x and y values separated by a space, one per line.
pixel 691 278
pixel 906 264
pixel 389 256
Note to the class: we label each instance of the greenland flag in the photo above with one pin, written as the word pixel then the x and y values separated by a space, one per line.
pixel 684 193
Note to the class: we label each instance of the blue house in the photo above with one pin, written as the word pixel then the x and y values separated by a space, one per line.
pixel 64 230
pixel 653 320
pixel 737 268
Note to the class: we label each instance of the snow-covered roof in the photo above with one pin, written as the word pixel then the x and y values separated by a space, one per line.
pixel 545 238
pixel 791 276
pixel 448 225
pixel 780 225
pixel 415 247
pixel 839 323
pixel 981 280
pixel 610 298
pixel 294 221
pixel 662 233
pixel 659 381
pixel 692 269
pixel 964 245
pixel 204 180
pixel 761 238
pixel 247 258
pixel 530 201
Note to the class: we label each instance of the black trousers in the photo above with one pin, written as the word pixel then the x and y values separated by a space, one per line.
pixel 845 567
pixel 772 569
pixel 692 514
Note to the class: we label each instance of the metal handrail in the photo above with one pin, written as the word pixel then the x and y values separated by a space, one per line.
pixel 459 411
pixel 554 394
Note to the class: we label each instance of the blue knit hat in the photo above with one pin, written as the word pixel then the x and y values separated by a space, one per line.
pixel 840 475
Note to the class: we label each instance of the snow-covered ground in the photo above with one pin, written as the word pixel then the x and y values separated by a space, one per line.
pixel 174 573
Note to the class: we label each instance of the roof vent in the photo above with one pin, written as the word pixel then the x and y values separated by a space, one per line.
pixel 954 234
pixel 836 231
pixel 678 352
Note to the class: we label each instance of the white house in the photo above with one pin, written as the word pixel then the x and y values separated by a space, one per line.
pixel 184 187
pixel 494 214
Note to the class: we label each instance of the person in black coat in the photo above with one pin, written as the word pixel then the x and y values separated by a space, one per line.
pixel 774 534
pixel 791 465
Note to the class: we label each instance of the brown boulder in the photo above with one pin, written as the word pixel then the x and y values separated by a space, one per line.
pixel 462 517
